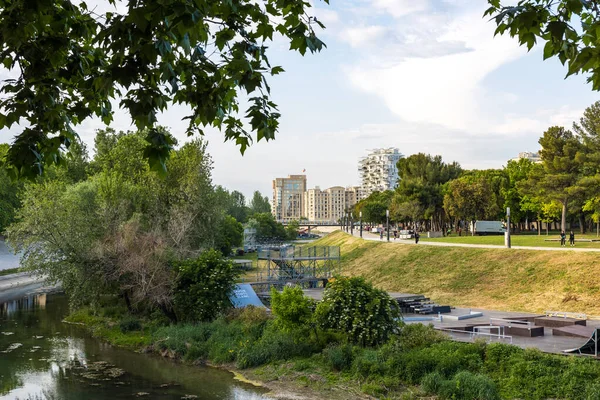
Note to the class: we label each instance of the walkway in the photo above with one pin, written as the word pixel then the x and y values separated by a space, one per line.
pixel 367 236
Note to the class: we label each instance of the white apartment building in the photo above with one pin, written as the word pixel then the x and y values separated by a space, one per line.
pixel 288 198
pixel 533 157
pixel 378 170
pixel 331 204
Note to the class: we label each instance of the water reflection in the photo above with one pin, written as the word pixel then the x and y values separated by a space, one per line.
pixel 43 358
pixel 29 302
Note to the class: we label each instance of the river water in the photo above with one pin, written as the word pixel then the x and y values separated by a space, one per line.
pixel 46 359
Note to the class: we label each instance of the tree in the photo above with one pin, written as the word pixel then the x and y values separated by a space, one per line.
pixel 268 228
pixel 553 22
pixel 374 206
pixel 420 192
pixel 9 193
pixel 517 172
pixel 292 229
pixel 471 198
pixel 73 61
pixel 259 204
pixel 230 233
pixel 352 306
pixel 202 286
pixel 561 160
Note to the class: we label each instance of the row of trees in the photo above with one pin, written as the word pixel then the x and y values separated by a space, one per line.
pixel 563 187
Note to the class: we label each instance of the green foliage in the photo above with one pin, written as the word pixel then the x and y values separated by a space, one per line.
pixel 292 229
pixel 202 286
pixel 9 192
pixel 294 311
pixel 463 386
pixel 414 336
pixel 472 197
pixel 339 357
pixel 129 324
pixel 73 61
pixel 373 207
pixel 230 233
pixel 268 228
pixel 368 316
pixel 553 23
pixel 259 204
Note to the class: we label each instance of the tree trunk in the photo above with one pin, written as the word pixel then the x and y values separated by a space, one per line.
pixel 127 301
pixel 563 218
pixel 539 227
pixel 581 224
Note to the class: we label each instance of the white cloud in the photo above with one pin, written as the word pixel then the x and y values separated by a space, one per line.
pixel 400 8
pixel 361 35
pixel 443 89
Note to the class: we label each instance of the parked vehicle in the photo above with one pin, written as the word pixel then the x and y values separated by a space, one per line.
pixel 482 228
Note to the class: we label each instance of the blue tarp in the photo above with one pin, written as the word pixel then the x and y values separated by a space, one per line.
pixel 243 295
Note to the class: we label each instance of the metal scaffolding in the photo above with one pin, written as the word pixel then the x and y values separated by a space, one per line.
pixel 297 264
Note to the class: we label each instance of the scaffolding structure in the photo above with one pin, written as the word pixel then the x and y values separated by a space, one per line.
pixel 298 264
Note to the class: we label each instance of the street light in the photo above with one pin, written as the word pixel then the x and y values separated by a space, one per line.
pixel 387 223
pixel 352 224
pixel 507 234
pixel 360 217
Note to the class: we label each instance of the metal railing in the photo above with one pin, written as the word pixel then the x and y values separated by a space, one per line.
pixel 474 335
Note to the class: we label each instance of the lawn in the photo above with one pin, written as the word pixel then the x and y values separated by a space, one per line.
pixel 519 240
pixel 501 279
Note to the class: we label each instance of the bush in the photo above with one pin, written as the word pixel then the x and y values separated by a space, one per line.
pixel 202 286
pixel 463 386
pixel 294 311
pixel 368 363
pixel 129 324
pixel 274 345
pixel 339 357
pixel 351 305
pixel 418 335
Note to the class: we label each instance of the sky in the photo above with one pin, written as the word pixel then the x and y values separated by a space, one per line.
pixel 420 75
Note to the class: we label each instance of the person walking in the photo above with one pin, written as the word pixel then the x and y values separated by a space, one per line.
pixel 572 239
pixel 563 238
pixel 395 234
pixel 417 236
pixel 381 234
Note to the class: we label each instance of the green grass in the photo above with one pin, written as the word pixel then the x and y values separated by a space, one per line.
pixel 531 240
pixel 9 271
pixel 497 279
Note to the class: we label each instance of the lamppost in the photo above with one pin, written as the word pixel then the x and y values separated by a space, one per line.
pixel 387 224
pixel 352 224
pixel 360 217
pixel 507 237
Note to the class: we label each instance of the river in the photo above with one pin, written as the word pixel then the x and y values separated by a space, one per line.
pixel 43 358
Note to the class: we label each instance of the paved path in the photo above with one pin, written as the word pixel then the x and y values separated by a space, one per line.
pixel 369 236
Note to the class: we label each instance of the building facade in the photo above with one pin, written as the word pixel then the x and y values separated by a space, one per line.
pixel 533 157
pixel 378 170
pixel 330 205
pixel 288 198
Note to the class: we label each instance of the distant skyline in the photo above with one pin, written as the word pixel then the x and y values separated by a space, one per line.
pixel 423 76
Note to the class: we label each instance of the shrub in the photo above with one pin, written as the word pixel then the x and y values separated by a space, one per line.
pixel 129 324
pixel 294 311
pixel 339 357
pixel 464 385
pixel 418 335
pixel 202 286
pixel 368 363
pixel 351 305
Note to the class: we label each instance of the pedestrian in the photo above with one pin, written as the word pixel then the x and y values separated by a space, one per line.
pixel 572 239
pixel 381 234
pixel 417 236
pixel 563 238
pixel 395 234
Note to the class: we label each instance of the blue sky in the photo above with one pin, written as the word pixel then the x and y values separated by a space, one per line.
pixel 421 75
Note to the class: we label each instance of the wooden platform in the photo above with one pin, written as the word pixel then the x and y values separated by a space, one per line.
pixel 526 318
pixel 558 322
pixel 574 331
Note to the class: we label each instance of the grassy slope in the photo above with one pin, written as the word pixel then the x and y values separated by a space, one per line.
pixel 503 279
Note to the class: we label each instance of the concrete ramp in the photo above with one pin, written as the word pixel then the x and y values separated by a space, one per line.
pixel 574 331
pixel 243 295
pixel 589 348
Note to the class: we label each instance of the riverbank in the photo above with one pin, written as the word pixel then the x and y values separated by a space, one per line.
pixel 300 377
